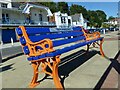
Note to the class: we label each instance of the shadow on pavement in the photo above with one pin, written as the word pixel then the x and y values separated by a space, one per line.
pixel 74 61
pixel 10 57
pixel 114 64
pixel 7 67
pixel 71 62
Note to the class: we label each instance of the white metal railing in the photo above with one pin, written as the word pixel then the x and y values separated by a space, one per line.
pixel 24 22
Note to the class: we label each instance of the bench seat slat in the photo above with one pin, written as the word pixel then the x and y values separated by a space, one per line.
pixel 66 41
pixel 63 50
pixel 33 30
pixel 54 36
pixel 78 28
pixel 66 49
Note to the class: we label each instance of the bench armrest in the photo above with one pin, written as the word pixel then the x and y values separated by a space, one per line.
pixel 41 47
pixel 37 48
pixel 92 36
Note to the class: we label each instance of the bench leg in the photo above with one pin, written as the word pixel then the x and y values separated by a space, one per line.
pixel 34 82
pixel 93 44
pixel 99 44
pixel 54 70
pixel 101 50
pixel 55 73
pixel 88 46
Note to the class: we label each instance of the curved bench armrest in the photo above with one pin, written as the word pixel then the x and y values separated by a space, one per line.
pixel 37 48
pixel 92 36
pixel 41 47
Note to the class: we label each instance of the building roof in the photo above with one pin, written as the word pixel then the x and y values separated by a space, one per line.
pixel 116 19
pixel 27 7
pixel 77 17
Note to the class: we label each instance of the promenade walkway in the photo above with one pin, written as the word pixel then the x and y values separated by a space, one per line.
pixel 78 70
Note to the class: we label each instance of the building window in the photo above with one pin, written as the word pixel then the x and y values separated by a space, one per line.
pixel 40 17
pixel 5 18
pixel 63 20
pixel 69 21
pixel 4 5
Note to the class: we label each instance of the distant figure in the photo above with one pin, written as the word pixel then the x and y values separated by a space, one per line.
pixel 0 56
pixel 28 19
pixel 86 31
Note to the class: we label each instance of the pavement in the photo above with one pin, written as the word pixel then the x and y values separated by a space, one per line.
pixel 76 70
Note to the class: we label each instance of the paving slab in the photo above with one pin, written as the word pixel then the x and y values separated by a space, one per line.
pixel 88 74
pixel 77 71
pixel 19 74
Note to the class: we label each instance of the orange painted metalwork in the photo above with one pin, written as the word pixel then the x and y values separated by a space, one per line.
pixel 93 36
pixel 45 62
pixel 51 62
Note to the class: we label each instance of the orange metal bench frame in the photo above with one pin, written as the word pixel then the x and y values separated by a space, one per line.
pixel 52 63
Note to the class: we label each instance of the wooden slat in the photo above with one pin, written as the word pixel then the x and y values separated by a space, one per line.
pixel 66 41
pixel 54 36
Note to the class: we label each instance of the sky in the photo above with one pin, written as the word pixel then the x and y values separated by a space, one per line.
pixel 110 8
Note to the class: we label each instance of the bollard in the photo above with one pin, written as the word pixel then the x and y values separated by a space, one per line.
pixel 1 45
pixel 12 41
pixel 1 56
pixel 103 31
pixel 114 29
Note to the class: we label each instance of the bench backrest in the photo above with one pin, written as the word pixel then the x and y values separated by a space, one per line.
pixel 58 38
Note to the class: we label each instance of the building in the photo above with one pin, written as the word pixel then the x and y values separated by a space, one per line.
pixel 14 14
pixel 78 20
pixel 61 20
pixel 113 22
pixel 25 13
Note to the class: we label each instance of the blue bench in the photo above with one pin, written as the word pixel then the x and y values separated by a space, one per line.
pixel 38 44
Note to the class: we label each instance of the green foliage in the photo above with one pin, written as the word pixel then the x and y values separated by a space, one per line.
pixel 105 25
pixel 111 17
pixel 51 5
pixel 101 15
pixel 96 18
pixel 77 9
pixel 63 7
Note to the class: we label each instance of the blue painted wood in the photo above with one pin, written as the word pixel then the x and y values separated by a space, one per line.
pixel 78 28
pixel 63 50
pixel 22 40
pixel 34 30
pixel 36 57
pixel 58 38
pixel 26 50
pixel 19 31
pixel 66 49
pixel 66 41
pixel 54 36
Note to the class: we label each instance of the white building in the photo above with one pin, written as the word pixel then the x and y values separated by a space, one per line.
pixel 13 14
pixel 113 21
pixel 62 20
pixel 78 20
pixel 22 14
pixel 5 3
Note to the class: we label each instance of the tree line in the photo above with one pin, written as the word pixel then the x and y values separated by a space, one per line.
pixel 94 17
